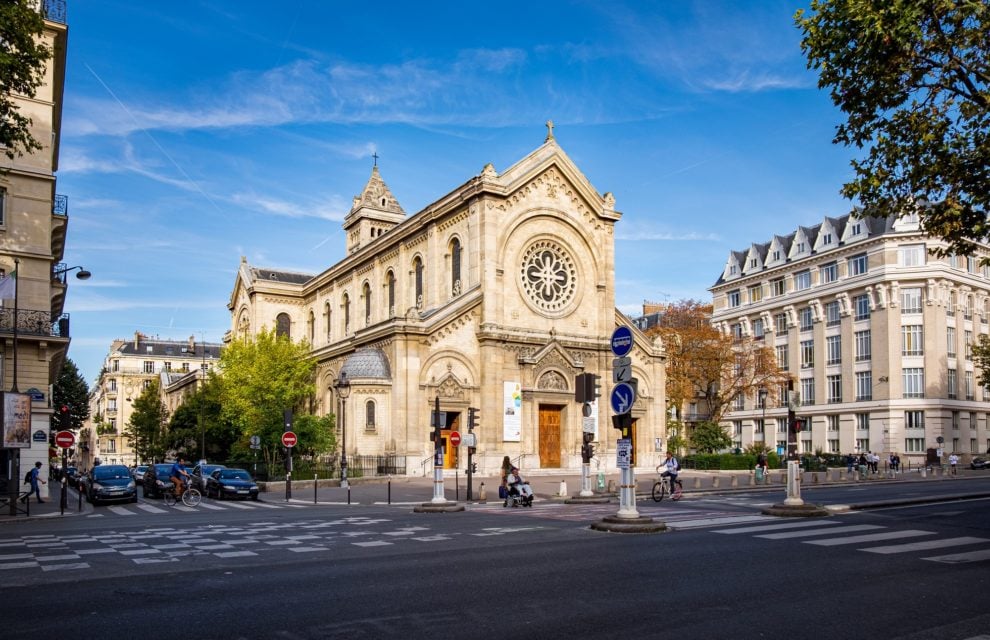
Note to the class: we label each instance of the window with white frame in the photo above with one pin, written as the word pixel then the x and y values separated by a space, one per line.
pixel 955 421
pixel 862 305
pixel 758 331
pixel 968 339
pixel 950 308
pixel 862 422
pixel 759 427
pixel 914 419
pixel 805 317
pixel 857 265
pixel 777 287
pixel 864 385
pixel 832 313
pixel 780 324
pixel 950 342
pixel 112 404
pixel 833 349
pixel 832 423
pixel 863 348
pixel 863 444
pixel 972 446
pixel 112 384
pixel 369 415
pixel 807 354
pixel 149 366
pixel 781 425
pixel 912 340
pixel 911 300
pixel 911 255
pixel 756 293
pixel 828 273
pixel 782 353
pixel 952 383
pixel 739 402
pixel 737 427
pixel 968 384
pixel 834 383
pixel 807 391
pixel 736 330
pixel 914 445
pixel 733 297
pixel 802 280
pixel 914 382
pixel 833 445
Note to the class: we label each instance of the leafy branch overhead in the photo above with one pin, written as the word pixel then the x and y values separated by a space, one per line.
pixel 913 79
pixel 23 58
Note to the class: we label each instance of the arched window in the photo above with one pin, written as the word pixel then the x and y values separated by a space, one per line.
pixel 369 413
pixel 311 329
pixel 418 269
pixel 366 292
pixel 455 267
pixel 346 305
pixel 390 279
pixel 328 320
pixel 283 325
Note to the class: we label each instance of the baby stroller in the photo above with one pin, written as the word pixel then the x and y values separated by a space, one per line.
pixel 516 492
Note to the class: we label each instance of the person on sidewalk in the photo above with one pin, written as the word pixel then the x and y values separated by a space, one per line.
pixel 953 461
pixel 35 489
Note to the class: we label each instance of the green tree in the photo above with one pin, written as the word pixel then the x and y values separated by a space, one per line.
pixel 70 391
pixel 199 420
pixel 146 427
pixel 981 358
pixel 262 377
pixel 23 58
pixel 709 437
pixel 912 79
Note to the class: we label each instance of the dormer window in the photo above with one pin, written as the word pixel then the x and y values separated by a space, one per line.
pixel 753 263
pixel 732 269
pixel 857 228
pixel 800 247
pixel 776 255
pixel 827 239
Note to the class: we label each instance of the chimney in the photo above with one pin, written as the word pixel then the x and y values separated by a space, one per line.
pixel 137 340
pixel 192 344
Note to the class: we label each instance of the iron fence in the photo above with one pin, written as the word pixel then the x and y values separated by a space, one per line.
pixel 325 468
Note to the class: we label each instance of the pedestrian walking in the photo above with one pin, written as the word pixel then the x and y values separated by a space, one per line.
pixel 953 461
pixel 33 479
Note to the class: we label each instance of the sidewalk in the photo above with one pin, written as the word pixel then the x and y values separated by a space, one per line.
pixel 50 508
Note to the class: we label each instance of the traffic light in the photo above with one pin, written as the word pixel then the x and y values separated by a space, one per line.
pixel 622 422
pixel 472 418
pixel 594 386
pixel 587 449
pixel 580 388
pixel 65 420
pixel 474 467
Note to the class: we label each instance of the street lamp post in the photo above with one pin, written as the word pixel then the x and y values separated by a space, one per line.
pixel 343 387
pixel 762 395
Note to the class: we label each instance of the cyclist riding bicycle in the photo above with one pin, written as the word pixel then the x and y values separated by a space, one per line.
pixel 178 471
pixel 673 467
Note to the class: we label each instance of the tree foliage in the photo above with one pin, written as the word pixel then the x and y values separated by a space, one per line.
pixel 912 79
pixel 263 376
pixel 981 358
pixel 704 364
pixel 70 391
pixel 22 67
pixel 709 437
pixel 146 428
pixel 198 427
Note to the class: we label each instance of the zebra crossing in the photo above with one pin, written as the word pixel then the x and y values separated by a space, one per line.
pixel 870 538
pixel 139 508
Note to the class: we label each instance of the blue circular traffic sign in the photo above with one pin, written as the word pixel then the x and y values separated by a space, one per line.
pixel 622 398
pixel 622 341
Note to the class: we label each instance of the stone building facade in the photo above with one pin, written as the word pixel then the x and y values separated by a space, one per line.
pixel 875 332
pixel 495 296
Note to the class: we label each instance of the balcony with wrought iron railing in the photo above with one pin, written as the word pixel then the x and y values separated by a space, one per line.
pixel 53 10
pixel 34 323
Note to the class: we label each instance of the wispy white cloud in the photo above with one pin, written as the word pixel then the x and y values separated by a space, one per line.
pixel 651 235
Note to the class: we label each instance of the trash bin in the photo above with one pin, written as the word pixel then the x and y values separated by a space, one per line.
pixel 862 471
pixel 601 481
pixel 760 476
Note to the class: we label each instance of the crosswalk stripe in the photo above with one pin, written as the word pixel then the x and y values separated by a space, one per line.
pixel 150 508
pixel 775 527
pixel 238 505
pixel 924 546
pixel 959 558
pixel 871 537
pixel 704 522
pixel 264 505
pixel 122 511
pixel 210 505
pixel 819 532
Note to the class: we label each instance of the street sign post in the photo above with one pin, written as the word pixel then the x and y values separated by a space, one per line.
pixel 289 439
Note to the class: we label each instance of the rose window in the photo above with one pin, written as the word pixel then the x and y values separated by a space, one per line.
pixel 548 276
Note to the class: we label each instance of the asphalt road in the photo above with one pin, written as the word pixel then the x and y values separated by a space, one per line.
pixel 382 571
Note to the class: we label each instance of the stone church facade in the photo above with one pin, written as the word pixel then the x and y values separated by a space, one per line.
pixel 495 296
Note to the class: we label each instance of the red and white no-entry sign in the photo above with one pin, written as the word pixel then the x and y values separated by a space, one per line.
pixel 455 439
pixel 65 439
pixel 289 439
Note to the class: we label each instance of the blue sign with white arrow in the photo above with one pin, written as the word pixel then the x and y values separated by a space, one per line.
pixel 622 398
pixel 622 341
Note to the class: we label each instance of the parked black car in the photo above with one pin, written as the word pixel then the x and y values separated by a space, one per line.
pixel 110 483
pixel 201 472
pixel 231 483
pixel 979 463
pixel 156 478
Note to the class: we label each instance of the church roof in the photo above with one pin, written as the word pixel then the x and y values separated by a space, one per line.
pixel 377 195
pixel 367 362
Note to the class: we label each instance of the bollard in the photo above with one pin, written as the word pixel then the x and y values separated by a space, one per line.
pixel 715 482
pixel 734 482
pixel 348 494
pixel 389 494
pixel 315 484
pixel 814 478
pixel 482 496
pixel 697 482
pixel 611 486
pixel 562 492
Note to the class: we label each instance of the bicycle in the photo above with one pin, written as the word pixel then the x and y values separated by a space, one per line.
pixel 661 488
pixel 190 497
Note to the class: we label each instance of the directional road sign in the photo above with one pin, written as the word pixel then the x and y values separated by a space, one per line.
pixel 622 341
pixel 622 398
pixel 65 439
pixel 621 370
pixel 289 439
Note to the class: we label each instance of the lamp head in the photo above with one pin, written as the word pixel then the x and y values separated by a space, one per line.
pixel 83 274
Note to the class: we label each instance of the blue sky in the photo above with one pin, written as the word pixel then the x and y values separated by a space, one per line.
pixel 196 132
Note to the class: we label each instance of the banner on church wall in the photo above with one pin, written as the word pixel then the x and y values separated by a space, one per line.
pixel 511 412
